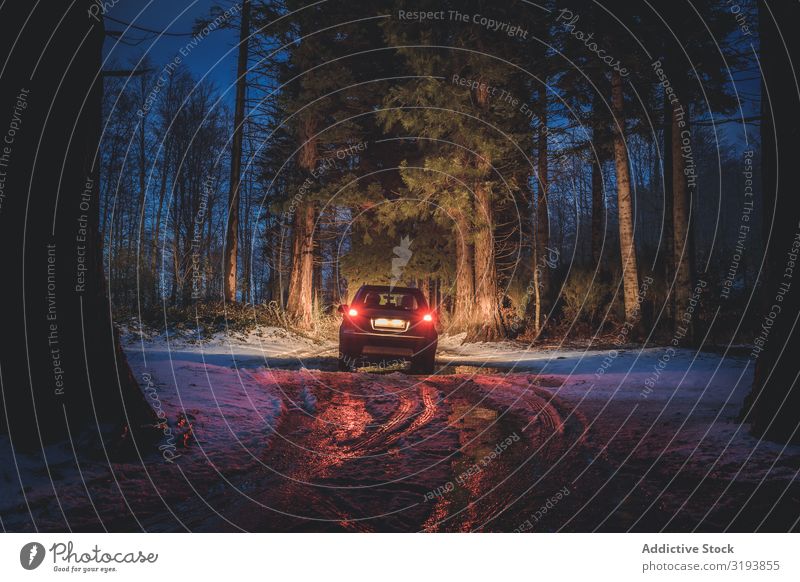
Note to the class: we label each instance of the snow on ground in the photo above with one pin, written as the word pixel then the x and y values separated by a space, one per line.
pixel 221 399
pixel 672 403
pixel 215 416
pixel 258 346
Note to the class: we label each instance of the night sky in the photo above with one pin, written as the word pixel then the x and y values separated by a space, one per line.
pixel 214 56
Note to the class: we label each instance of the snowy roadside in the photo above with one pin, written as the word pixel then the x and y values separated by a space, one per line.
pixel 677 406
pixel 217 406
pixel 257 346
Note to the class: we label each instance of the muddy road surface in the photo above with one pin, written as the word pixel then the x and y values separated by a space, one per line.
pixel 396 452
pixel 467 450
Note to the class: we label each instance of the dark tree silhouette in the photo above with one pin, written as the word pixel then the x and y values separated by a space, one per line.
pixel 62 370
pixel 773 404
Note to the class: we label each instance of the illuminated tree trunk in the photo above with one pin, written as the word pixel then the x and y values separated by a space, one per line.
pixel 598 194
pixel 465 274
pixel 542 214
pixel 487 324
pixel 668 245
pixel 154 246
pixel 533 308
pixel 598 213
pixel 424 285
pixel 537 292
pixel 300 303
pixel 630 275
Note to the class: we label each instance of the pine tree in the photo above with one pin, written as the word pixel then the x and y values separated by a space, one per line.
pixel 321 99
pixel 468 132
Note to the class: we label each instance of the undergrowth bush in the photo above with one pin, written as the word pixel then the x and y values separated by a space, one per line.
pixel 585 302
pixel 204 319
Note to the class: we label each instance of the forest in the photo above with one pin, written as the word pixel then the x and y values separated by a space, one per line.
pixel 589 209
pixel 536 183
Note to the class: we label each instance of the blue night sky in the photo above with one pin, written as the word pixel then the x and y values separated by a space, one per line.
pixel 215 55
pixel 174 17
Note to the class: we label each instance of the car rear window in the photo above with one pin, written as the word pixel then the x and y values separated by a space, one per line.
pixel 389 300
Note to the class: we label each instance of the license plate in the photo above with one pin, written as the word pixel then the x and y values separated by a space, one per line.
pixel 389 323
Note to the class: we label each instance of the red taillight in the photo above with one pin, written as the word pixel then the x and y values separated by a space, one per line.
pixel 352 313
pixel 427 317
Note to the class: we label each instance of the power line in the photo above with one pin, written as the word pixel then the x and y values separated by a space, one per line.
pixel 150 30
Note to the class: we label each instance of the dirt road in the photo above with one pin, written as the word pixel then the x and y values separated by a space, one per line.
pixel 465 452
pixel 470 449
pixel 460 452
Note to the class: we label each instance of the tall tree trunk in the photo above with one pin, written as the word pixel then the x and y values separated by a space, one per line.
pixel 630 274
pixel 773 405
pixel 668 244
pixel 208 271
pixel 598 213
pixel 232 232
pixel 533 307
pixel 247 237
pixel 487 325
pixel 154 265
pixel 299 304
pixel 142 164
pixel 271 257
pixel 599 135
pixel 175 243
pixel 542 214
pixel 316 281
pixel 65 373
pixel 537 292
pixel 280 260
pixel 185 251
pixel 681 223
pixel 424 285
pixel 465 274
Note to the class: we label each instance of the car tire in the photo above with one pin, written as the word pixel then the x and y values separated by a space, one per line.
pixel 345 364
pixel 425 362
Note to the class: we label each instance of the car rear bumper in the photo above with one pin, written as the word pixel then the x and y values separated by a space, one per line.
pixel 361 343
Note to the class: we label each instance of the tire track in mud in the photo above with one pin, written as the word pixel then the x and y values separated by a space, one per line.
pixel 429 397
pixel 558 437
pixel 472 492
pixel 283 490
pixel 404 453
pixel 346 465
pixel 409 417
pixel 400 417
pixel 488 495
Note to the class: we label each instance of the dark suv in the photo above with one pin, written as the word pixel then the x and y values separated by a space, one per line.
pixel 393 322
